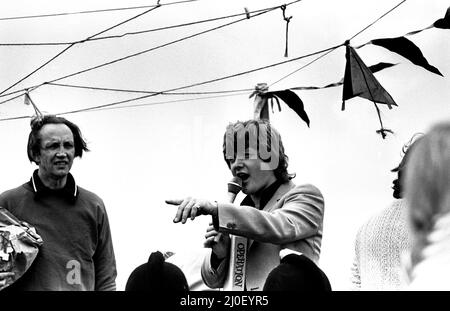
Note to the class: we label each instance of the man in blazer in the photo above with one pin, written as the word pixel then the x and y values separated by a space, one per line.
pixel 276 214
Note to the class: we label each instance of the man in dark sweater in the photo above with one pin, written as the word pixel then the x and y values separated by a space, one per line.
pixel 77 253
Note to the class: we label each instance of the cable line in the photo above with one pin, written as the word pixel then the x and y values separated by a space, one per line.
pixel 153 104
pixel 136 32
pixel 190 85
pixel 358 33
pixel 92 11
pixel 71 45
pixel 148 50
pixel 147 92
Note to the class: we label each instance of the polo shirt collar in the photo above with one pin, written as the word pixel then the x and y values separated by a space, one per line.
pixel 69 192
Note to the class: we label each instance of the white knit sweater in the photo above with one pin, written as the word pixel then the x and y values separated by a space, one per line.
pixel 379 245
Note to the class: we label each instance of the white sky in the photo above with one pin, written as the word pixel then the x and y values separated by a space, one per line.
pixel 143 155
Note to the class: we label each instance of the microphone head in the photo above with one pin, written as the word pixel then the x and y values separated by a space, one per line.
pixel 234 185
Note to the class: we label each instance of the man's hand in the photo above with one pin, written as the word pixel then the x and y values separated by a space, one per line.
pixel 221 247
pixel 3 277
pixel 191 208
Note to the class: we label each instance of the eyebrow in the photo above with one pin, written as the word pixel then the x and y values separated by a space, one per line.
pixel 52 141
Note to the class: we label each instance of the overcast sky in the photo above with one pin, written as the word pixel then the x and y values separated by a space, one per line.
pixel 163 149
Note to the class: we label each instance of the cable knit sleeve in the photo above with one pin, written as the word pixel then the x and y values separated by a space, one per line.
pixel 356 276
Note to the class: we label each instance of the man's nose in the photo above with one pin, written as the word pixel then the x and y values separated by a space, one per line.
pixel 236 164
pixel 61 152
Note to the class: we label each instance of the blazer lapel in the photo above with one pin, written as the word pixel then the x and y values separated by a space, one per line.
pixel 281 191
pixel 273 202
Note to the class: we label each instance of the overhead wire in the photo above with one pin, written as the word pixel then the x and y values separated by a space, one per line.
pixel 136 32
pixel 154 103
pixel 351 38
pixel 12 98
pixel 92 11
pixel 374 22
pixel 132 106
pixel 150 94
pixel 71 45
pixel 155 48
pixel 326 52
pixel 188 86
pixel 147 92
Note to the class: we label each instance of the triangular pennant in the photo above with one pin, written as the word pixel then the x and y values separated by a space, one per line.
pixel 293 101
pixel 407 49
pixel 373 69
pixel 360 81
pixel 443 23
pixel 380 66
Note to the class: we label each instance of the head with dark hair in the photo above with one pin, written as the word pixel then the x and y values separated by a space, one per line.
pixel 427 184
pixel 157 275
pixel 297 273
pixel 261 137
pixel 34 138
pixel 398 183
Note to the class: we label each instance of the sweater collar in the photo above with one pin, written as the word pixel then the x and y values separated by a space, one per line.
pixel 69 191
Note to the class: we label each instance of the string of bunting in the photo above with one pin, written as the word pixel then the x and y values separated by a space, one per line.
pixel 171 91
pixel 358 80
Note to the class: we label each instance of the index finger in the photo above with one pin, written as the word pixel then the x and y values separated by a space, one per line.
pixel 174 202
pixel 6 274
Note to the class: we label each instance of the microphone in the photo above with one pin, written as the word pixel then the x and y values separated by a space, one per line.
pixel 234 187
pixel 236 274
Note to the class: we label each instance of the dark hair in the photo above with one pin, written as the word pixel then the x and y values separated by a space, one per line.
pixel 259 130
pixel 297 273
pixel 34 138
pixel 157 275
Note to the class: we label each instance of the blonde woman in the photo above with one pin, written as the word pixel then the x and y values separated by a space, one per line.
pixel 428 196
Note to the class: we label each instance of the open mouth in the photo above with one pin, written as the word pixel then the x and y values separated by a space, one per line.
pixel 243 176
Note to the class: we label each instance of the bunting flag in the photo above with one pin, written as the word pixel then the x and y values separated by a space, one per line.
pixel 293 101
pixel 374 68
pixel 408 50
pixel 443 23
pixel 360 81
pixel 261 103
pixel 262 96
